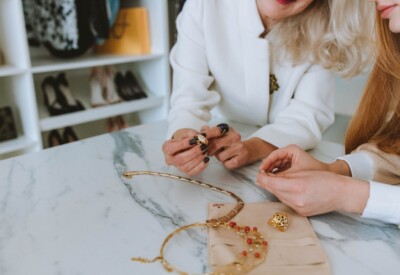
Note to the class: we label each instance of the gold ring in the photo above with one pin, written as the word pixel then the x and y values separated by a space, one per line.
pixel 280 221
pixel 201 139
pixel 224 128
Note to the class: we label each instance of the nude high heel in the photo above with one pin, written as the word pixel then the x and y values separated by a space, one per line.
pixel 97 91
pixel 120 122
pixel 111 94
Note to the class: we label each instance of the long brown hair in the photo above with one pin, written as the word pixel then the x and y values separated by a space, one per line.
pixel 377 119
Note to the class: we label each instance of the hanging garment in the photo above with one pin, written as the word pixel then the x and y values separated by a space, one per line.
pixel 68 28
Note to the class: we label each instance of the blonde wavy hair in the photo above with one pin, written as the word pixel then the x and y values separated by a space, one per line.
pixel 333 33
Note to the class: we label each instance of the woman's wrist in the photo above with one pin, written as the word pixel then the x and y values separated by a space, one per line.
pixel 354 195
pixel 340 167
pixel 258 149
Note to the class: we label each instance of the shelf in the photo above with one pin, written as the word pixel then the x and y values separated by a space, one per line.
pixel 52 64
pixel 21 143
pixel 26 67
pixel 56 122
pixel 10 71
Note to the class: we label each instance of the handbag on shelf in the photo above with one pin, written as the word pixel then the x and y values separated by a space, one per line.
pixel 129 34
pixel 8 129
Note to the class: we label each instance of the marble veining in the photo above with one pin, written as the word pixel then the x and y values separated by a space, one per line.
pixel 69 210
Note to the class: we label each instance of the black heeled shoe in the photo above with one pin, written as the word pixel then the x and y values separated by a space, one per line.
pixel 69 135
pixel 54 139
pixel 122 89
pixel 55 102
pixel 133 84
pixel 73 105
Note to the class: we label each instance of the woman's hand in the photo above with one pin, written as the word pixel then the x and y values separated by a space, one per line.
pixel 232 151
pixel 229 149
pixel 314 192
pixel 291 159
pixel 184 153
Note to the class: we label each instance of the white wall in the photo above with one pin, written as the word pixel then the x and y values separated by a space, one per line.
pixel 348 94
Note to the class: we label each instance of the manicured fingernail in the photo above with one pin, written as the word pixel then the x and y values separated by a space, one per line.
pixel 206 159
pixel 193 141
pixel 203 147
pixel 204 152
pixel 203 134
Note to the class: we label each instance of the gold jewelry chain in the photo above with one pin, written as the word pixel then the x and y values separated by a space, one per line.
pixel 213 222
pixel 253 239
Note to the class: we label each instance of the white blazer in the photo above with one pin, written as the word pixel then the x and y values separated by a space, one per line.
pixel 221 67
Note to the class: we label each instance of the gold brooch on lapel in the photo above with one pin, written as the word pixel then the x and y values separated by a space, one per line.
pixel 273 84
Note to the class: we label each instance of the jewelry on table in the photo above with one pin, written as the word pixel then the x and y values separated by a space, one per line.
pixel 280 221
pixel 255 246
pixel 224 128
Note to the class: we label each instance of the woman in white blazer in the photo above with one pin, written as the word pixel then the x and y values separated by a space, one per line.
pixel 267 63
pixel 366 181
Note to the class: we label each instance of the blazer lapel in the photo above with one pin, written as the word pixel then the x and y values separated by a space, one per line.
pixel 256 61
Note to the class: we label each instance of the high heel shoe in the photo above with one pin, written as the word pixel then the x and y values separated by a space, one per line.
pixel 54 139
pixel 55 102
pixel 120 122
pixel 73 104
pixel 122 89
pixel 97 91
pixel 116 123
pixel 133 84
pixel 69 135
pixel 111 126
pixel 108 76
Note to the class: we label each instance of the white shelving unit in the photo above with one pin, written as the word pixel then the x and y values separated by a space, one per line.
pixel 25 69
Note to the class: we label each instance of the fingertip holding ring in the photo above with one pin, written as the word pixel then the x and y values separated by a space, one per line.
pixel 224 128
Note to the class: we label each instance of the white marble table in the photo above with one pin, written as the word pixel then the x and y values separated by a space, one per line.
pixel 67 210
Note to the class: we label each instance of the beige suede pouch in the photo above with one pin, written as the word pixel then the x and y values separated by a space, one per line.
pixel 295 251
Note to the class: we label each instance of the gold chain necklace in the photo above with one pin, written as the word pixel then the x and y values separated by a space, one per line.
pixel 255 246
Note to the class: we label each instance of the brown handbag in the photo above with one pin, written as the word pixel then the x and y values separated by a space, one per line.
pixel 129 35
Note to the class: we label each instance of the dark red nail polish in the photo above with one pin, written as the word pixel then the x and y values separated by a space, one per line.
pixel 206 159
pixel 193 141
pixel 203 147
